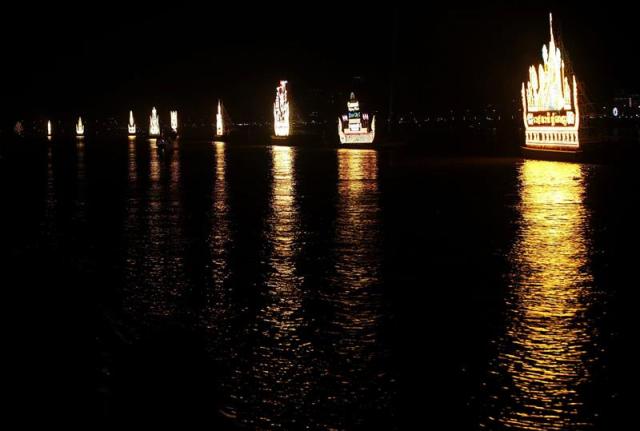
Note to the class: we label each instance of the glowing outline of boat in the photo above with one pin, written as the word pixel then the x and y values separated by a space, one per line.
pixel 131 127
pixel 174 120
pixel 357 130
pixel 79 128
pixel 550 110
pixel 281 123
pixel 154 123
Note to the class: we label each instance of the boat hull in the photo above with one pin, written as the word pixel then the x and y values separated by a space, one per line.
pixel 563 155
pixel 284 140
pixel 222 138
pixel 357 138
pixel 360 145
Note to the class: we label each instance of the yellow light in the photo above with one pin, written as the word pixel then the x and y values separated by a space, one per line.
pixel 132 125
pixel 154 123
pixel 281 111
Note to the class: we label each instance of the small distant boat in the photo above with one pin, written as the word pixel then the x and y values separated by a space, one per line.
pixel 223 123
pixel 174 121
pixel 132 125
pixel 79 128
pixel 49 131
pixel 356 127
pixel 154 123
pixel 281 125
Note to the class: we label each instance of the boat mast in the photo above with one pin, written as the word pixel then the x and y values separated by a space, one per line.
pixel 394 42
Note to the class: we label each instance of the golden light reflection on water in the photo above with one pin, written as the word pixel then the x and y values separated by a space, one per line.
pixel 357 218
pixel 81 198
pixel 154 160
pixel 220 310
pixel 544 359
pixel 132 173
pixel 354 296
pixel 219 306
pixel 49 222
pixel 220 235
pixel 154 256
pixel 279 370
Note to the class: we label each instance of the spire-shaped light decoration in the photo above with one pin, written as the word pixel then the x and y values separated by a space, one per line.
pixel 550 102
pixel 281 111
pixel 154 123
pixel 132 125
pixel 79 127
pixel 49 128
pixel 174 120
pixel 219 123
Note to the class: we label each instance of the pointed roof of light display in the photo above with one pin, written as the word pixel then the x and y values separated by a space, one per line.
pixel 548 88
pixel 223 122
pixel 79 127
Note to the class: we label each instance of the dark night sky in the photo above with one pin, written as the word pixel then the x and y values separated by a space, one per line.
pixel 105 58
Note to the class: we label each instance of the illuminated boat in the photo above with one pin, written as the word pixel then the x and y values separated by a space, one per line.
pixel 154 123
pixel 550 105
pixel 49 128
pixel 223 125
pixel 355 127
pixel 281 113
pixel 132 125
pixel 79 128
pixel 174 121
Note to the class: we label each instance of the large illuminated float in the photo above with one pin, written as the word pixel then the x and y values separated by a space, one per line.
pixel 132 125
pixel 174 121
pixel 154 123
pixel 356 127
pixel 79 128
pixel 550 104
pixel 281 126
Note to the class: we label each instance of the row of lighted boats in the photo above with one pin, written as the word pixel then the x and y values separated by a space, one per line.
pixel 551 113
pixel 354 127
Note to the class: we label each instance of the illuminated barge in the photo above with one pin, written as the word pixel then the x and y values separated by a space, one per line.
pixel 174 121
pixel 222 121
pixel 132 125
pixel 154 123
pixel 550 104
pixel 281 126
pixel 355 127
pixel 79 128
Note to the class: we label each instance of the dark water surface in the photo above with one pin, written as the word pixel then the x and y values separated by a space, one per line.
pixel 308 288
